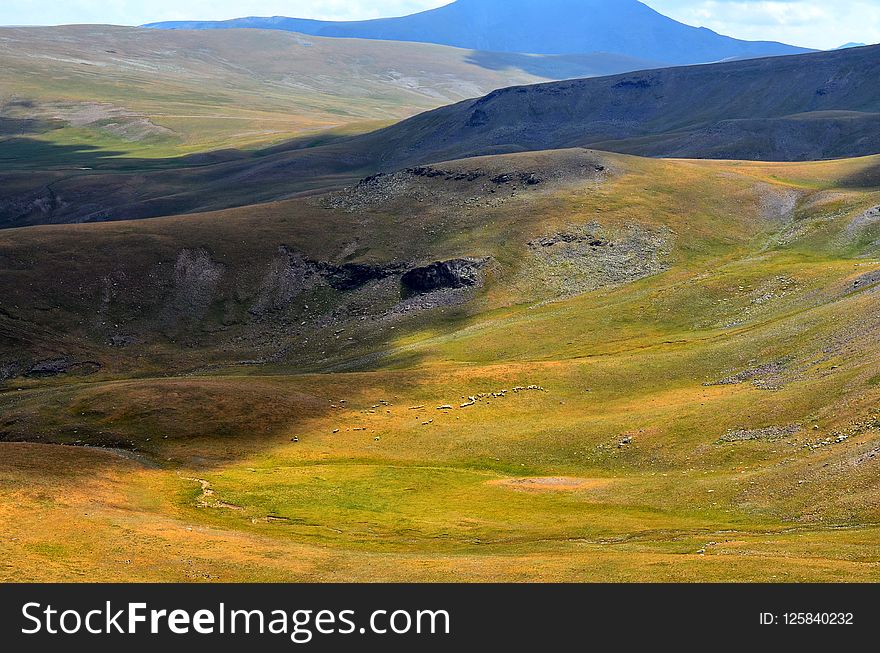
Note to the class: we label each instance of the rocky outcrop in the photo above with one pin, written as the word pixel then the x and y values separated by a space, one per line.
pixel 291 275
pixel 862 222
pixel 456 273
pixel 591 256
pixel 449 175
pixel 58 366
pixel 196 281
pixel 569 238
pixel 465 185
pixel 527 178
pixel 354 275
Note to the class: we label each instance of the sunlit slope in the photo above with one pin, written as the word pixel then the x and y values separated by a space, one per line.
pixel 150 93
pixel 664 370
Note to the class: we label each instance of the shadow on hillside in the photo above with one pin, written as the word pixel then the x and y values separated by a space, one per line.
pixel 98 185
pixel 869 178
pixel 209 419
pixel 25 126
pixel 20 151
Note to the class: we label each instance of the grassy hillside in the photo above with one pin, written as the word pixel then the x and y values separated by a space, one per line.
pixel 148 93
pixel 813 106
pixel 807 107
pixel 626 369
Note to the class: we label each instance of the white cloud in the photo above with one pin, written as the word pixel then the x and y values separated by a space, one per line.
pixel 137 12
pixel 812 23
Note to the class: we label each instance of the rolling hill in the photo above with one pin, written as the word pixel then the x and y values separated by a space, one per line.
pixel 804 107
pixel 549 366
pixel 814 106
pixel 150 93
pixel 624 27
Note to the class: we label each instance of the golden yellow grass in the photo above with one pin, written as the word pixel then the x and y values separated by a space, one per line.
pixel 617 469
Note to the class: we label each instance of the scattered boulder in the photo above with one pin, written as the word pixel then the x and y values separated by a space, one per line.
pixel 757 375
pixel 866 280
pixel 869 456
pixel 769 434
pixel 527 178
pixel 862 222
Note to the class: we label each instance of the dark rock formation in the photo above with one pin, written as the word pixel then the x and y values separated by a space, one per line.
pixel 450 175
pixel 57 366
pixel 9 371
pixel 355 275
pixel 456 273
pixel 528 178
pixel 570 238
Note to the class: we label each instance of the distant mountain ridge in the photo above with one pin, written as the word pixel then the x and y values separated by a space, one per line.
pixel 625 27
pixel 816 106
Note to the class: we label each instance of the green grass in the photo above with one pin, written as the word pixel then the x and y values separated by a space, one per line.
pixel 320 469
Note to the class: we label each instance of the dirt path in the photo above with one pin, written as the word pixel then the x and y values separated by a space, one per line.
pixel 208 498
pixel 552 483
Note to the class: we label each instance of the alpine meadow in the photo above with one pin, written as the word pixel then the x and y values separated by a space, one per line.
pixel 395 300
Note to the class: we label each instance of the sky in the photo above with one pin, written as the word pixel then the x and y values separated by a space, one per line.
pixel 821 24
